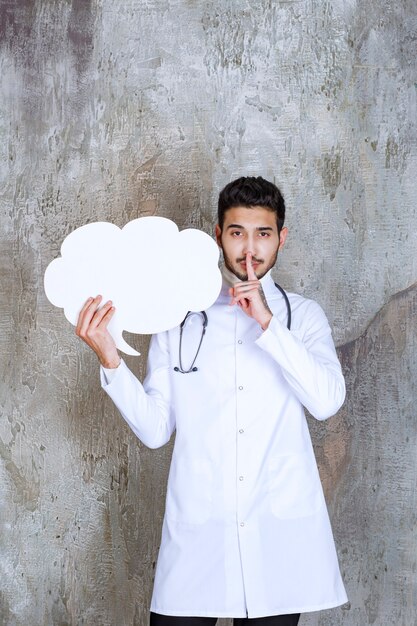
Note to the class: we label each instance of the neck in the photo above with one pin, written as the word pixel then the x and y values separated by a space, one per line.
pixel 228 277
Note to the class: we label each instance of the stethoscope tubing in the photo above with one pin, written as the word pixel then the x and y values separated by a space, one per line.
pixel 192 368
pixel 287 302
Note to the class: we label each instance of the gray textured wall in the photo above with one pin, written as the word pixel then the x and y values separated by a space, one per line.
pixel 115 109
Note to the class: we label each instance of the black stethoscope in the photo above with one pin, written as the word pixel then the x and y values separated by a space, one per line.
pixel 203 315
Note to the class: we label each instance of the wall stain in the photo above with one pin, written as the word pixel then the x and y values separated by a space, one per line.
pixel 273 110
pixel 26 492
pixel 17 18
pixel 81 33
pixel 228 33
pixel 331 171
pixel 392 152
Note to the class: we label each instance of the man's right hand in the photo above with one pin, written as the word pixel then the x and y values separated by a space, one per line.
pixel 92 328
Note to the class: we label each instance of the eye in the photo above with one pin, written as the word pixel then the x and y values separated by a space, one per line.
pixel 236 233
pixel 264 234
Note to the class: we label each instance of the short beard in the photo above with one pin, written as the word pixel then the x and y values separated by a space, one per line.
pixel 244 277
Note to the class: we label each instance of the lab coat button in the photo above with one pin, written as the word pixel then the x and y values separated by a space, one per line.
pixel 240 477
pixel 240 341
pixel 241 431
pixel 242 524
pixel 240 388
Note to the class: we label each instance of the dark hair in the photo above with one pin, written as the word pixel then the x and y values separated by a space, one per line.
pixel 251 191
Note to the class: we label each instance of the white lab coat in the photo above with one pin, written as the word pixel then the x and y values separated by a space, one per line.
pixel 246 530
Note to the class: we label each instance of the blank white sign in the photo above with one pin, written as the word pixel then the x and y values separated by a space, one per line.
pixel 153 273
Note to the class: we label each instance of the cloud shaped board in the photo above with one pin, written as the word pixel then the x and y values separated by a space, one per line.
pixel 153 273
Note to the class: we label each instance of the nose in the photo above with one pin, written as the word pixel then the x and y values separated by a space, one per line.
pixel 249 245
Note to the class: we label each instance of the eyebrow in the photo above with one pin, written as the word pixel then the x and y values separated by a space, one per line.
pixel 243 228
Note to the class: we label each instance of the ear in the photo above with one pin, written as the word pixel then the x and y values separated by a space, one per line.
pixel 218 233
pixel 282 237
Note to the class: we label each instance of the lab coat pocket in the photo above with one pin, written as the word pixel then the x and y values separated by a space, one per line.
pixel 189 493
pixel 294 486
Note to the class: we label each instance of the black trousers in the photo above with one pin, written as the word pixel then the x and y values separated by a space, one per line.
pixel 275 620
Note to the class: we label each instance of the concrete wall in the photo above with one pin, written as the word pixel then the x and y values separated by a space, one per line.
pixel 112 109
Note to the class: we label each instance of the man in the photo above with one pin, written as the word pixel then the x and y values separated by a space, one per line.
pixel 246 532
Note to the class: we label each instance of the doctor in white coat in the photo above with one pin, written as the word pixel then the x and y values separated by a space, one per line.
pixel 246 532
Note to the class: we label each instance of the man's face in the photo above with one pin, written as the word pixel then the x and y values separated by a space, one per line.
pixel 252 230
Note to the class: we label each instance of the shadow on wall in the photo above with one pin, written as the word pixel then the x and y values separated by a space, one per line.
pixel 368 464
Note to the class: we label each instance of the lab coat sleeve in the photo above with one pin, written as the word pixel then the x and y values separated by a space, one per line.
pixel 308 361
pixel 146 408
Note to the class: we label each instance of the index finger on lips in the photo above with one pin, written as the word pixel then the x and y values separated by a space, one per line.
pixel 249 267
